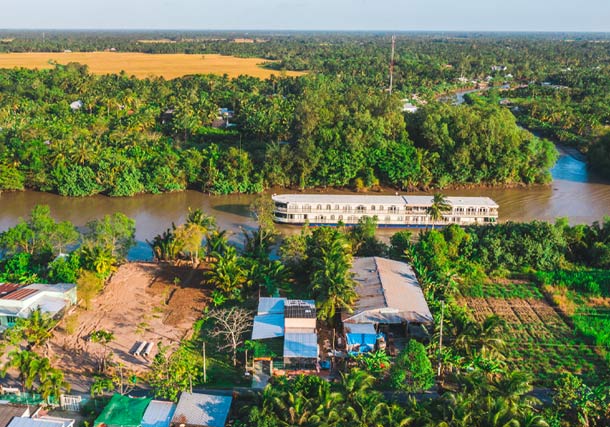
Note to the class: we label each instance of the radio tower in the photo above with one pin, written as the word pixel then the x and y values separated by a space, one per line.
pixel 392 63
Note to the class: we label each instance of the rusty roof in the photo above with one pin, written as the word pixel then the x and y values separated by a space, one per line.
pixel 6 288
pixel 19 295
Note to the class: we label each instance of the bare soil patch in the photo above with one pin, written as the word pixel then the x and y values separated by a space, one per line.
pixel 141 302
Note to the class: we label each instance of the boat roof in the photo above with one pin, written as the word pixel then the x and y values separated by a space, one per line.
pixel 380 199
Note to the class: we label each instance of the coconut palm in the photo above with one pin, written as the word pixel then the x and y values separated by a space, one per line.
pixel 52 385
pixel 36 328
pixel 439 206
pixel 226 273
pixel 332 281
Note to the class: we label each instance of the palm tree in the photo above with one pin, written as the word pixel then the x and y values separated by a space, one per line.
pixel 24 362
pixel 439 206
pixel 53 384
pixel 226 273
pixel 165 246
pixel 487 335
pixel 332 281
pixel 217 243
pixel 36 328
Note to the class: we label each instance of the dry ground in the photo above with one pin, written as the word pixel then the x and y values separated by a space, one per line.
pixel 143 64
pixel 141 302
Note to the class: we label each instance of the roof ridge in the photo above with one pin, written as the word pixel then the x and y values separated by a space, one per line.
pixel 385 300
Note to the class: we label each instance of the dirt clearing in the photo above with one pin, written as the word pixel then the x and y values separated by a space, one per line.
pixel 142 302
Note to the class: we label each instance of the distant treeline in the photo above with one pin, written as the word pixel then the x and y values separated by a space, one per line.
pixel 74 133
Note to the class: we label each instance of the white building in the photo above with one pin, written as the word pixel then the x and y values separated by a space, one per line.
pixel 390 211
pixel 20 301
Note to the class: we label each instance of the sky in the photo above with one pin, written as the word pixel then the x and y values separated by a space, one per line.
pixel 389 15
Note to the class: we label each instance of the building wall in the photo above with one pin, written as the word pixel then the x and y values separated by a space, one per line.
pixel 297 323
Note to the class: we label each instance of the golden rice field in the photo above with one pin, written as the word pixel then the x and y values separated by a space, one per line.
pixel 141 65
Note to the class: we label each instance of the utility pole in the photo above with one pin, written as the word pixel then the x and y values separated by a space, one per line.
pixel 205 377
pixel 392 63
pixel 440 339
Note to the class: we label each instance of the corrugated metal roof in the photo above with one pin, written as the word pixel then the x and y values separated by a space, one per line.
pixel 20 295
pixel 158 414
pixel 388 292
pixel 7 412
pixel 34 422
pixel 202 410
pixel 384 200
pixel 268 305
pixel 303 346
pixel 6 288
pixel 268 326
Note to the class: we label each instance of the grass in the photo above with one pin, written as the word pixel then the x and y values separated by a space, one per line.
pixel 538 339
pixel 144 65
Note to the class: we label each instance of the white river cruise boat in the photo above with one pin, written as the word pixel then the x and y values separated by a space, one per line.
pixel 390 211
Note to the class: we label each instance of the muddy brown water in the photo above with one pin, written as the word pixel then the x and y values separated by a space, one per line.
pixel 574 193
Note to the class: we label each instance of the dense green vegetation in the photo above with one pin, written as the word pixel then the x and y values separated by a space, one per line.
pixel 39 249
pixel 489 365
pixel 336 126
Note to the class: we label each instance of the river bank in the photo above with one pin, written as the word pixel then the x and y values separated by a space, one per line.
pixel 574 193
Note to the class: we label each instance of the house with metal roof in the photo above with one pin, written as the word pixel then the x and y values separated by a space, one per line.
pixel 388 293
pixel 20 301
pixel 8 412
pixel 201 410
pixel 41 422
pixel 158 414
pixel 292 320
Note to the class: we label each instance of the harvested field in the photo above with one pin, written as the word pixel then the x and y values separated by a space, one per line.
pixel 142 302
pixel 538 338
pixel 145 65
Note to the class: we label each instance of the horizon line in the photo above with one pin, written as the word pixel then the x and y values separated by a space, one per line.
pixel 245 30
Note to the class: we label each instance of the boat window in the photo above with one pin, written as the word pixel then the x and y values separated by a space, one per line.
pixel 319 207
pixel 360 209
pixel 392 209
pixel 381 207
pixel 328 207
pixel 373 208
pixel 336 207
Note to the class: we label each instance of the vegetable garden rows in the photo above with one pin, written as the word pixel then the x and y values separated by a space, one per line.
pixel 538 339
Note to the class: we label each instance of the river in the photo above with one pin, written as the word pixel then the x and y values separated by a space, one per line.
pixel 574 193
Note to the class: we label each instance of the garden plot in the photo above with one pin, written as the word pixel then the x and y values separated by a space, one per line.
pixel 538 338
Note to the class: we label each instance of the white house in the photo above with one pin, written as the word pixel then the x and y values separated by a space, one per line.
pixel 21 301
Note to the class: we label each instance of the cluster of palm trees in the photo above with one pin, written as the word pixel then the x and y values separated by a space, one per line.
pixel 353 401
pixel 34 371
pixel 185 241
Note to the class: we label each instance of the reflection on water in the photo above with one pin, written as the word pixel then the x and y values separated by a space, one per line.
pixel 572 194
pixel 568 168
